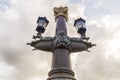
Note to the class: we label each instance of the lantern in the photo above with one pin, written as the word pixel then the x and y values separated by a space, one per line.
pixel 80 26
pixel 42 24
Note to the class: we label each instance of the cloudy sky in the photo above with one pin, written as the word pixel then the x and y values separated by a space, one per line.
pixel 18 23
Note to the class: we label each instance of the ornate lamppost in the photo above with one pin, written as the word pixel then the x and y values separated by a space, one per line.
pixel 61 45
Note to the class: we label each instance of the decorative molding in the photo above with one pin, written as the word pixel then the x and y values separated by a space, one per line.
pixel 44 44
pixel 61 74
pixel 61 11
pixel 61 70
pixel 61 41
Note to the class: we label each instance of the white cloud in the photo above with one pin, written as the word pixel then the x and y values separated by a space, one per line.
pixel 7 71
pixel 18 23
pixel 111 23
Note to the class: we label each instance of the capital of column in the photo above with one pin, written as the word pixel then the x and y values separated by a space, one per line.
pixel 61 11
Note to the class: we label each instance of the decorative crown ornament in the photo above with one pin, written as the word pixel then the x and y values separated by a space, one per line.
pixel 61 11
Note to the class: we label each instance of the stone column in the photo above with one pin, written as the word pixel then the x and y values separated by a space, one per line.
pixel 61 66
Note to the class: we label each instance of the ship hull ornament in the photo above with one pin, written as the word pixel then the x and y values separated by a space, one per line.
pixel 61 45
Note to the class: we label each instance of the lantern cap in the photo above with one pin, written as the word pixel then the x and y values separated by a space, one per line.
pixel 79 20
pixel 42 18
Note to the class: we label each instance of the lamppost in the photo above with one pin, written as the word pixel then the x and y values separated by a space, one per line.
pixel 61 45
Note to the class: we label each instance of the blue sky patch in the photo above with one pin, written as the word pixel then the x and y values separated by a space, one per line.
pixel 4 4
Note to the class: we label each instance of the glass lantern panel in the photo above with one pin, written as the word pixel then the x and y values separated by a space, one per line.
pixel 45 24
pixel 40 22
pixel 83 24
pixel 78 24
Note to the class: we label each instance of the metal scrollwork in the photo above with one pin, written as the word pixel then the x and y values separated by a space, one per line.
pixel 61 41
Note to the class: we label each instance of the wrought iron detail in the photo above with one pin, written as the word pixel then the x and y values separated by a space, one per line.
pixel 61 41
